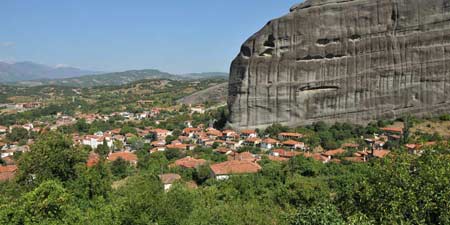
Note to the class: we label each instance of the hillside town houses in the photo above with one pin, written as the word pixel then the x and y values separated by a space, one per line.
pixel 236 145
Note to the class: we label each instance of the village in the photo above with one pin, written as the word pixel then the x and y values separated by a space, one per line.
pixel 239 151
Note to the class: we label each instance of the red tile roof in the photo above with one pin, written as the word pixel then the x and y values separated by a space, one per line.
pixel 7 172
pixel 191 130
pixel 335 152
pixel 93 159
pixel 128 156
pixel 292 135
pixel 278 159
pixel 214 132
pixel 253 140
pixel 189 162
pixel 244 156
pixel 248 132
pixel 285 153
pixel 292 142
pixel 381 153
pixel 270 141
pixel 177 146
pixel 316 156
pixel 222 150
pixel 392 129
pixel 235 167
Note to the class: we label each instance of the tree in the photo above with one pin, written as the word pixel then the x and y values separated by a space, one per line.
pixel 53 156
pixel 275 129
pixel 50 203
pixel 17 134
pixel 103 149
pixel 323 213
pixel 92 182
pixel 173 154
pixel 119 168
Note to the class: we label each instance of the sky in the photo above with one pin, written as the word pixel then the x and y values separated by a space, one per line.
pixel 177 36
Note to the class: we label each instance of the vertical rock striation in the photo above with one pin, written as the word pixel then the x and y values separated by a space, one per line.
pixel 344 60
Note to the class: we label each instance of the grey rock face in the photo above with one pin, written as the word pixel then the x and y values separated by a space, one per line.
pixel 344 60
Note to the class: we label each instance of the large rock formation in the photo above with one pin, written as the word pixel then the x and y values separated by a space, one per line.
pixel 344 60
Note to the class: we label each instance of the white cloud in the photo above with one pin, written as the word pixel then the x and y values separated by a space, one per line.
pixel 7 44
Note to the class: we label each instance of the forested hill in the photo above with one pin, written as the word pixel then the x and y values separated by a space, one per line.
pixel 119 78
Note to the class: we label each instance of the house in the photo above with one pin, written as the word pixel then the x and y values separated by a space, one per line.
pixel 284 153
pixel 213 133
pixel 169 179
pixel 198 109
pixel 417 149
pixel 191 131
pixel 7 172
pixel 252 141
pixel 317 156
pixel 189 162
pixel 248 134
pixel 95 140
pixel 380 153
pixel 288 135
pixel 244 156
pixel 277 159
pixel 222 171
pixel 394 133
pixel 222 150
pixel 230 135
pixel 7 152
pixel 127 156
pixel 291 144
pixel 232 144
pixel 3 129
pixel 178 146
pixel 269 143
pixel 333 153
pixel 161 133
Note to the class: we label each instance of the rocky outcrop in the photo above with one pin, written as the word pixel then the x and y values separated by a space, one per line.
pixel 344 60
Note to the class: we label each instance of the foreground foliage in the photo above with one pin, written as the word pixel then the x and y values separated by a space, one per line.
pixel 55 187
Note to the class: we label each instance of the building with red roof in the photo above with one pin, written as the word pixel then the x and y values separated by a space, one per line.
pixel 289 135
pixel 189 162
pixel 224 170
pixel 285 153
pixel 291 144
pixel 127 156
pixel 7 172
pixel 93 159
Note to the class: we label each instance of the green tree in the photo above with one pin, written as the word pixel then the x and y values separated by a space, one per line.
pixel 53 156
pixel 17 134
pixel 323 213
pixel 120 168
pixel 103 149
pixel 50 203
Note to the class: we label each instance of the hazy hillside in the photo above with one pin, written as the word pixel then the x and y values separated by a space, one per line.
pixel 107 79
pixel 205 75
pixel 120 78
pixel 215 94
pixel 21 71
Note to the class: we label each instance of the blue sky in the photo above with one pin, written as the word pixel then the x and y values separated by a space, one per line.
pixel 177 36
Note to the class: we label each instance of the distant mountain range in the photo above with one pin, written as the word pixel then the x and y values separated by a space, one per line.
pixel 32 74
pixel 21 71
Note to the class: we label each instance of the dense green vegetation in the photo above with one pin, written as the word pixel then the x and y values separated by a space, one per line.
pixel 54 186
